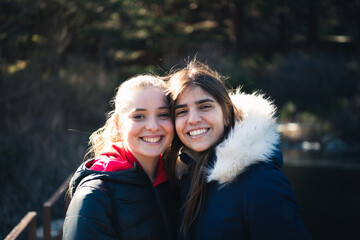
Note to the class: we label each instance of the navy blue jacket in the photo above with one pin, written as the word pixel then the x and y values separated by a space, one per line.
pixel 258 204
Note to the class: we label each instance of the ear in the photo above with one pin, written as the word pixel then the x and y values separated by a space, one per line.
pixel 116 121
pixel 118 129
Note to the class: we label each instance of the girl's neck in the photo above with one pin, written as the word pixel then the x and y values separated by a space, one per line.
pixel 147 163
pixel 194 155
pixel 149 166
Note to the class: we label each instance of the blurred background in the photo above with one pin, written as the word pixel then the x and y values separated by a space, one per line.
pixel 61 60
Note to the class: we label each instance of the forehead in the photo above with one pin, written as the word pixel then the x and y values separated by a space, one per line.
pixel 146 98
pixel 193 94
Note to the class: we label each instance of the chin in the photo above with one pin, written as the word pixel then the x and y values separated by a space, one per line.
pixel 153 154
pixel 199 149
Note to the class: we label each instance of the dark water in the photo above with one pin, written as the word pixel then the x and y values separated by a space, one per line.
pixel 328 192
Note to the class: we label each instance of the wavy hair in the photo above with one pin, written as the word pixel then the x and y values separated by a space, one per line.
pixel 110 133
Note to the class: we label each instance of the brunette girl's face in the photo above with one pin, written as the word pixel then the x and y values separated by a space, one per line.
pixel 146 124
pixel 199 119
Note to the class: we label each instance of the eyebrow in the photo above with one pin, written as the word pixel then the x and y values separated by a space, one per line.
pixel 204 100
pixel 180 106
pixel 196 102
pixel 144 109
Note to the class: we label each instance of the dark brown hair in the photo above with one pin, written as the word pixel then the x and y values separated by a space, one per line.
pixel 197 74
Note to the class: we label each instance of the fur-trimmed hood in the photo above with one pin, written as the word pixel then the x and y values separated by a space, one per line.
pixel 253 139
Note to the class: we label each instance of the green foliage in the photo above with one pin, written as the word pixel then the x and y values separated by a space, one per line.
pixel 287 112
pixel 61 60
pixel 239 73
pixel 36 142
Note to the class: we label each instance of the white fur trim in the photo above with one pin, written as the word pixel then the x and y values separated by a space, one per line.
pixel 251 141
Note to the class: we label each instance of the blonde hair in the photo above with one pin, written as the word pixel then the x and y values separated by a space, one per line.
pixel 110 132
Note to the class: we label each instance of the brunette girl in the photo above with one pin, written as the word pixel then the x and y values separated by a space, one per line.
pixel 231 183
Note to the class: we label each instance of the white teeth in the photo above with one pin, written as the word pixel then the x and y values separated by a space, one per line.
pixel 197 132
pixel 151 140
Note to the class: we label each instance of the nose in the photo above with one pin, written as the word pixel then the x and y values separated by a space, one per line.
pixel 152 124
pixel 194 117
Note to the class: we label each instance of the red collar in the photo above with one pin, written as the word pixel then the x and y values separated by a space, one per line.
pixel 119 158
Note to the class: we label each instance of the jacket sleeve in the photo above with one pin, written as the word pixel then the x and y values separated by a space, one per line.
pixel 90 213
pixel 271 207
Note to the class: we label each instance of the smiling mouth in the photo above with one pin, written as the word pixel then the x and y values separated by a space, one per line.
pixel 197 132
pixel 151 139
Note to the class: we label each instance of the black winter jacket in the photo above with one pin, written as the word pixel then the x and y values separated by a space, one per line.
pixel 119 205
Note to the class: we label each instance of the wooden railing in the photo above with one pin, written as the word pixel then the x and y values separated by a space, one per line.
pixel 29 220
pixel 47 206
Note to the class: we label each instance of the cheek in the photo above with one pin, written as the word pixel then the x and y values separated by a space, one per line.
pixel 221 132
pixel 169 127
pixel 178 126
pixel 130 128
pixel 220 124
pixel 125 133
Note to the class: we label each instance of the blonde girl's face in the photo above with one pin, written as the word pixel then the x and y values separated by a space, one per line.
pixel 146 124
pixel 199 119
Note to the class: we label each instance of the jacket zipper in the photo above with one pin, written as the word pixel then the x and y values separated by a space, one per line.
pixel 158 200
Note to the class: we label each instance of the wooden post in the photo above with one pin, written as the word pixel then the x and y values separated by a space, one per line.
pixel 47 208
pixel 28 221
pixel 32 228
pixel 46 221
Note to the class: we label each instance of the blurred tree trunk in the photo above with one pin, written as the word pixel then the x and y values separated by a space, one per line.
pixel 238 13
pixel 282 29
pixel 313 25
pixel 358 31
pixel 59 40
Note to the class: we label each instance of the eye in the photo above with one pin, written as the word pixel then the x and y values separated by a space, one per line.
pixel 206 107
pixel 180 112
pixel 164 115
pixel 138 117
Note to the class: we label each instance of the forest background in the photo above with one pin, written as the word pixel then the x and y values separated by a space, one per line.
pixel 61 60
